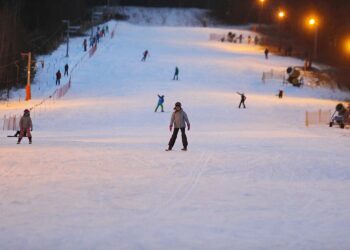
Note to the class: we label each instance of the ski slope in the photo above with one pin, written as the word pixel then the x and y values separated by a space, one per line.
pixel 97 176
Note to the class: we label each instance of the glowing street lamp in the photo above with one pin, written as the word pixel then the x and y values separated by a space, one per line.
pixel 262 2
pixel 313 23
pixel 281 16
pixel 346 46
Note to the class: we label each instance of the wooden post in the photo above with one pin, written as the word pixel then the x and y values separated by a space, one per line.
pixel 307 119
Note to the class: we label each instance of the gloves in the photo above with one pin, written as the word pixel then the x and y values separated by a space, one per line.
pixel 188 126
pixel 171 128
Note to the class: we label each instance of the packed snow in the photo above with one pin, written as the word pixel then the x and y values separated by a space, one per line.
pixel 97 175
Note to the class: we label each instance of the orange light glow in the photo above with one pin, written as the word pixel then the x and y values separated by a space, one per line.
pixel 281 14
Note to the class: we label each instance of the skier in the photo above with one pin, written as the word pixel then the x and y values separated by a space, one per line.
pixel 26 126
pixel 176 74
pixel 97 36
pixel 107 29
pixel 243 98
pixel 85 45
pixel 240 38
pixel 249 39
pixel 66 67
pixel 58 77
pixel 145 54
pixel 256 40
pixel 160 103
pixel 179 120
pixel 266 53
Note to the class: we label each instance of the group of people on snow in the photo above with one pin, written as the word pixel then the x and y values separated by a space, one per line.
pixel 234 38
pixel 59 75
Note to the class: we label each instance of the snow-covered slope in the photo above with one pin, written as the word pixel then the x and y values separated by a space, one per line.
pixel 97 176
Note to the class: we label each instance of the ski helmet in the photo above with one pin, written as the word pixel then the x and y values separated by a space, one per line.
pixel 26 111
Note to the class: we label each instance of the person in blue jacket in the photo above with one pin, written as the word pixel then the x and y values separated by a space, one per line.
pixel 160 103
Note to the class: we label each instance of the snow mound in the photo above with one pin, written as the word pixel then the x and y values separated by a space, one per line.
pixel 167 16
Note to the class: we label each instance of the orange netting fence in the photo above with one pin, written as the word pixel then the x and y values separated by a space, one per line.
pixel 11 122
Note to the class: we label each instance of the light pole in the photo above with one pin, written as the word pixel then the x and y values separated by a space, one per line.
pixel 68 27
pixel 28 89
pixel 281 16
pixel 262 2
pixel 314 24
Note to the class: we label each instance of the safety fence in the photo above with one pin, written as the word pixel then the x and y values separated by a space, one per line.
pixel 216 37
pixel 317 117
pixel 11 122
pixel 274 75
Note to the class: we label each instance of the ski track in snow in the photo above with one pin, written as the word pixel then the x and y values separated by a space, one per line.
pixel 97 176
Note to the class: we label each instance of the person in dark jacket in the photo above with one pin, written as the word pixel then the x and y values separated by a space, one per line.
pixel 25 125
pixel 58 77
pixel 160 103
pixel 243 98
pixel 179 120
pixel 85 45
pixel 145 54
pixel 266 53
pixel 66 68
pixel 176 74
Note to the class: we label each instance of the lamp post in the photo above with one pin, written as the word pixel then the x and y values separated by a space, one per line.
pixel 281 16
pixel 261 2
pixel 314 24
pixel 68 27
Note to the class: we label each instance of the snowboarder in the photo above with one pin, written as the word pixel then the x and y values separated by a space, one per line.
pixel 26 126
pixel 145 54
pixel 266 53
pixel 160 103
pixel 179 120
pixel 58 77
pixel 176 74
pixel 85 45
pixel 66 68
pixel 243 98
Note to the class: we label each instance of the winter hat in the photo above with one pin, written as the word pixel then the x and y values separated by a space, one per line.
pixel 26 111
pixel 177 104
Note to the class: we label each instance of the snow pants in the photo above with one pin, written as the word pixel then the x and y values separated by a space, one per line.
pixel 174 136
pixel 161 106
pixel 241 103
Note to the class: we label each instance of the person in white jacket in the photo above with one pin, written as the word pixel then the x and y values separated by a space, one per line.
pixel 179 120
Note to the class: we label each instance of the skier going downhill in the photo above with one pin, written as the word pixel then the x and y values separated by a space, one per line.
pixel 179 120
pixel 145 54
pixel 160 103
pixel 243 98
pixel 25 125
pixel 66 68
pixel 176 74
pixel 58 77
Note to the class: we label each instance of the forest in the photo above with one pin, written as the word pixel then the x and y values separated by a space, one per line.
pixel 36 26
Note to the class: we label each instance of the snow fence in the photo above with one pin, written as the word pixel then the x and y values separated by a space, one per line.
pixel 11 122
pixel 317 117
